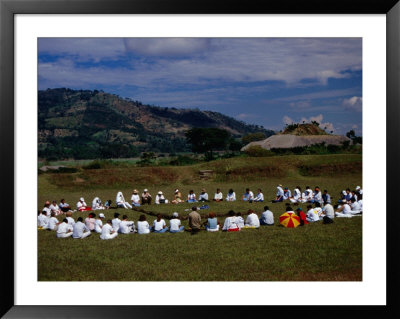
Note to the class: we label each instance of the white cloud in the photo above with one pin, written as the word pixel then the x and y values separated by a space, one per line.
pixel 287 120
pixel 300 104
pixel 354 103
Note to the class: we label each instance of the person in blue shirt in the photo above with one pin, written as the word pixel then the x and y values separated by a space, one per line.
pixel 212 223
pixel 326 198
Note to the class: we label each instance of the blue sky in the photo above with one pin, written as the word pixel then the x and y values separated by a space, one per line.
pixel 265 81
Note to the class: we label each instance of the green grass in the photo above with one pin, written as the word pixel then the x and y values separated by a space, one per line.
pixel 313 252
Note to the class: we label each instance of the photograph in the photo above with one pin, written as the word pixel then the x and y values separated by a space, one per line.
pixel 225 159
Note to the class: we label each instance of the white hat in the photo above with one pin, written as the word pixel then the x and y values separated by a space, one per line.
pixel 358 188
pixel 175 214
pixel 82 199
pixel 135 191
pixel 160 193
pixel 176 190
pixel 101 215
pixel 145 190
pixel 344 192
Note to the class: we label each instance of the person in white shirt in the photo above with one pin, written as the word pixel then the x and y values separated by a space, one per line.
pixel 99 223
pixel 146 197
pixel 80 230
pixel 308 195
pixel 231 196
pixel 81 205
pixel 248 196
pixel 126 226
pixel 191 198
pixel 64 206
pixel 267 217
pixel 286 193
pixel 359 190
pixel 143 226
pixel 64 229
pixel 239 220
pixel 318 209
pixel 279 194
pixel 218 196
pixel 231 224
pixel 312 215
pixel 355 206
pixel 159 225
pixel 135 199
pixel 317 195
pixel 296 195
pixel 43 220
pixel 55 208
pixel 252 220
pixel 203 197
pixel 96 204
pixel 107 231
pixel 328 211
pixel 120 201
pixel 160 199
pixel 346 211
pixel 71 221
pixel 260 196
pixel 175 224
pixel 53 222
pixel 115 222
pixel 360 201
pixel 46 208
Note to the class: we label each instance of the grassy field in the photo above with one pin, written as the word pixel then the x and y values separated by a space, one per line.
pixel 313 252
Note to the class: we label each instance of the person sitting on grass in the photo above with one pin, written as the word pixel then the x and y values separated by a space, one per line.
pixel 203 196
pixel 64 229
pixel 360 201
pixel 71 221
pixel 287 193
pixel 90 221
pixel 191 198
pixel 194 221
pixel 317 195
pixel 80 230
pixel 120 201
pixel 146 197
pixel 107 231
pixel 107 204
pixel 160 199
pixel 326 198
pixel 125 226
pixel 279 194
pixel 328 211
pixel 212 224
pixel 64 206
pixel 177 197
pixel 53 222
pixel 81 205
pixel 296 196
pixel 267 217
pixel 248 196
pixel 96 204
pixel 43 220
pixel 302 216
pixel 115 222
pixel 135 199
pixel 46 208
pixel 231 224
pixel 308 195
pixel 318 209
pixel 231 196
pixel 240 220
pixel 312 215
pixel 260 196
pixel 218 197
pixel 143 226
pixel 252 220
pixel 159 225
pixel 55 208
pixel 355 206
pixel 99 223
pixel 175 224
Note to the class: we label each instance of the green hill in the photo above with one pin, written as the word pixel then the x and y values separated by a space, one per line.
pixel 84 124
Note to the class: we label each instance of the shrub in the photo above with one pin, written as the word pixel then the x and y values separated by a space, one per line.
pixel 258 151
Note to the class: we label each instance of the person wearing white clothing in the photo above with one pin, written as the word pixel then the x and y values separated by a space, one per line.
pixel 218 197
pixel 160 199
pixel 115 222
pixel 47 209
pixel 267 217
pixel 317 195
pixel 260 196
pixel 355 206
pixel 239 220
pixel 175 224
pixel 279 194
pixel 96 204
pixel 120 201
pixel 64 229
pixel 71 221
pixel 107 231
pixel 328 211
pixel 287 193
pixel 43 220
pixel 159 225
pixel 345 211
pixel 203 197
pixel 126 226
pixel 231 196
pixel 80 230
pixel 296 195
pixel 143 226
pixel 135 198
pixel 252 220
pixel 55 208
pixel 231 223
pixel 248 196
pixel 53 222
pixel 99 223
pixel 81 204
pixel 312 214
pixel 191 198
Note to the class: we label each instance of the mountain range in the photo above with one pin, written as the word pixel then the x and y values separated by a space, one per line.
pixel 84 124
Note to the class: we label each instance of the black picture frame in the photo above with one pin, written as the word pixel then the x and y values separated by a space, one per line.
pixel 8 8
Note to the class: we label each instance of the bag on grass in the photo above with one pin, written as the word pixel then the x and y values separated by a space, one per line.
pixel 327 220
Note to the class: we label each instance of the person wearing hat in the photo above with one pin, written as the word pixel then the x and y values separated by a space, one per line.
pixel 203 197
pixel 99 223
pixel 218 197
pixel 126 226
pixel 81 205
pixel 267 217
pixel 160 199
pixel 177 197
pixel 146 197
pixel 279 194
pixel 135 199
pixel 46 208
pixel 96 204
pixel 64 229
pixel 120 201
pixel 317 195
pixel 80 230
pixel 175 224
pixel 115 222
pixel 107 231
pixel 286 193
pixel 252 220
pixel 359 191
